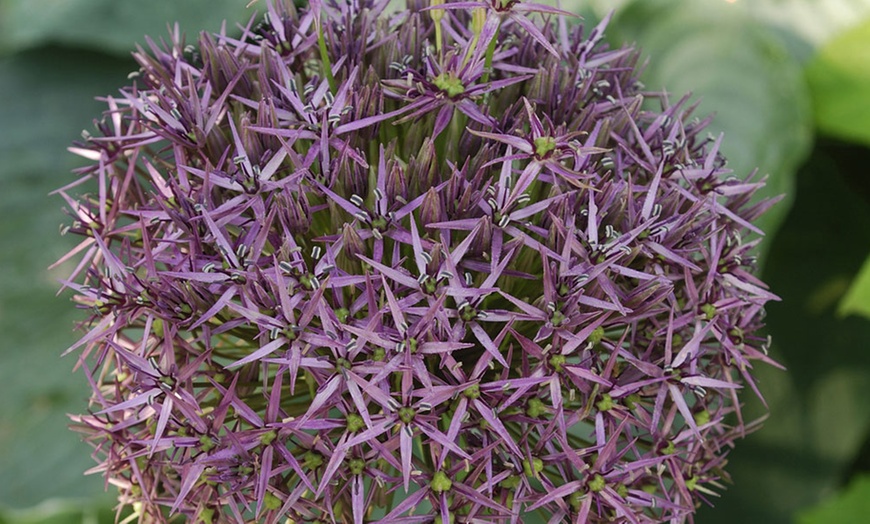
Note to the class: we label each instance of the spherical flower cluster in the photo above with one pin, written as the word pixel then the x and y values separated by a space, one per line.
pixel 447 264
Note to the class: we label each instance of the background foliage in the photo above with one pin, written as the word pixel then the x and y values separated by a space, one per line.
pixel 789 81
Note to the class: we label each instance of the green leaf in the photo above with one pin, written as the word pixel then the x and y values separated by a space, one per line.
pixel 851 506
pixel 819 408
pixel 110 25
pixel 57 511
pixel 737 69
pixel 813 21
pixel 48 97
pixel 857 299
pixel 804 24
pixel 839 80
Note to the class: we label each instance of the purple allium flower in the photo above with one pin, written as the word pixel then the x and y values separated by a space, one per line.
pixel 441 265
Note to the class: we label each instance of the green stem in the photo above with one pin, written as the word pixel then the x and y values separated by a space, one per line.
pixel 324 57
pixel 457 127
pixel 490 51
pixel 474 41
pixel 438 38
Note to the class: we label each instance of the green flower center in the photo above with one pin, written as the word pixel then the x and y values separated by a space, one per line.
pixel 557 361
pixel 576 500
pixel 312 459
pixel 597 483
pixel 449 84
pixel 379 223
pixel 267 438
pixel 558 318
pixel 606 403
pixel 472 392
pixel 544 145
pixel 357 466
pixel 467 313
pixel 440 482
pixel 206 443
pixel 206 516
pixel 536 408
pixel 271 501
pixel 709 311
pixel 289 332
pixel 354 423
pixel 406 415
pixel 511 482
pixel 596 335
pixel 531 469
pixel 342 314
pixel 307 282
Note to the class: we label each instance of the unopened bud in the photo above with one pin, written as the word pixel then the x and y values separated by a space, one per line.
pixel 437 14
pixel 553 236
pixel 298 215
pixel 397 185
pixel 430 209
pixel 482 242
pixel 422 172
pixel 251 140
pixel 435 259
pixel 353 245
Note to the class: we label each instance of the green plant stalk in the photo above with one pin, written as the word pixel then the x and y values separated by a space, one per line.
pixel 324 56
pixel 490 51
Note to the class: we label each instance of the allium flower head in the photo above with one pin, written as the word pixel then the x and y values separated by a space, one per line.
pixel 449 264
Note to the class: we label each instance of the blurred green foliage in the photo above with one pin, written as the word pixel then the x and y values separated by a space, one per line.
pixel 850 507
pixel 745 61
pixel 49 78
pixel 738 71
pixel 47 98
pixel 111 26
pixel 857 300
pixel 839 76
pixel 819 412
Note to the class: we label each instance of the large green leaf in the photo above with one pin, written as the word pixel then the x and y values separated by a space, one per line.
pixel 48 97
pixel 738 70
pixel 109 25
pixel 819 408
pixel 816 21
pixel 60 512
pixel 839 79
pixel 851 506
pixel 805 24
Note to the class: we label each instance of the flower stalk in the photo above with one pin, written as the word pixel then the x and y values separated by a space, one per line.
pixel 490 53
pixel 324 57
pixel 437 16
